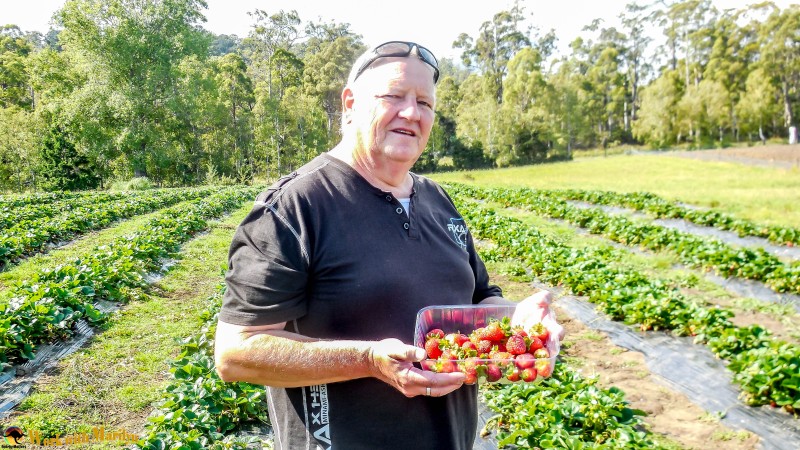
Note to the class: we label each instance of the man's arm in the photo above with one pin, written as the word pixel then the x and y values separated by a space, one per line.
pixel 271 356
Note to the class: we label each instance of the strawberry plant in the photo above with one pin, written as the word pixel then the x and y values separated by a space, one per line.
pixel 635 298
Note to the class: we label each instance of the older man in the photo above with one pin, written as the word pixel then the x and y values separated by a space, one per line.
pixel 328 272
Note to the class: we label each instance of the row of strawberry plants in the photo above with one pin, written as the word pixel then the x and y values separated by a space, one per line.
pixel 566 410
pixel 198 409
pixel 664 209
pixel 14 215
pixel 37 198
pixel 694 251
pixel 765 368
pixel 29 237
pixel 46 307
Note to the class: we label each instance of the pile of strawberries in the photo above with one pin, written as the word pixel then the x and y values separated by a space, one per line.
pixel 493 352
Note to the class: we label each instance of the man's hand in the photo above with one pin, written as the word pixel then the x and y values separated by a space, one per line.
pixel 535 309
pixel 392 363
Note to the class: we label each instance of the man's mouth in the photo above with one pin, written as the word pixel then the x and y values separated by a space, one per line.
pixel 405 132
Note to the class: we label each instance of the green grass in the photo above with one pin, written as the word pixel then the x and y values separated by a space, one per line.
pixel 117 377
pixel 764 195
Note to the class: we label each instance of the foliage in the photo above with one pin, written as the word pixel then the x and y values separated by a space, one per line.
pixel 637 298
pixel 198 409
pixel 47 307
pixel 63 168
pixel 564 411
pixel 139 88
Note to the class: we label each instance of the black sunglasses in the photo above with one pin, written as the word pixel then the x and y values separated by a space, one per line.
pixel 400 49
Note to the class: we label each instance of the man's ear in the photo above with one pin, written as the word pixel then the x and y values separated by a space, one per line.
pixel 347 104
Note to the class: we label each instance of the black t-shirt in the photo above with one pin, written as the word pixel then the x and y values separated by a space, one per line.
pixel 337 258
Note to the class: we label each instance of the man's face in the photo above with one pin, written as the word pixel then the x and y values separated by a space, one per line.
pixel 391 105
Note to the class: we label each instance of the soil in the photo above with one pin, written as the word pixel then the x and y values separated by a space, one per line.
pixel 779 156
pixel 669 414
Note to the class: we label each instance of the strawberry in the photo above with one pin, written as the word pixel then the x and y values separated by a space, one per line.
pixel 528 375
pixel 432 348
pixel 435 333
pixel 469 345
pixel 461 339
pixel 524 361
pixel 448 366
pixel 484 346
pixel 428 364
pixel 540 331
pixel 471 370
pixel 494 332
pixel 544 368
pixel 450 338
pixel 493 372
pixel 513 373
pixel 516 345
pixel 536 344
pixel 519 331
pixel 542 353
pixel 502 358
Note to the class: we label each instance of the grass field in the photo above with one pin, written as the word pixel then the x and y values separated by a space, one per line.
pixel 761 194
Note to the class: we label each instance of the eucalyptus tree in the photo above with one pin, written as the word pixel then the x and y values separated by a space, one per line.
pixel 497 42
pixel 131 49
pixel 779 41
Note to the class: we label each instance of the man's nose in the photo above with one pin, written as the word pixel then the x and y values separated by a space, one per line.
pixel 410 109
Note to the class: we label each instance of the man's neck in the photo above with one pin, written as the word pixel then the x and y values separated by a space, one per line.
pixel 385 175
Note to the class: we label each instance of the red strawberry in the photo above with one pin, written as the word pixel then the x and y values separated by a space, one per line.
pixel 524 361
pixel 449 354
pixel 528 375
pixel 494 332
pixel 501 348
pixel 448 366
pixel 432 348
pixel 428 364
pixel 469 345
pixel 542 353
pixel 471 370
pixel 502 358
pixel 484 346
pixel 516 345
pixel 536 344
pixel 544 368
pixel 493 372
pixel 513 373
pixel 540 331
pixel 435 333
pixel 520 332
pixel 461 339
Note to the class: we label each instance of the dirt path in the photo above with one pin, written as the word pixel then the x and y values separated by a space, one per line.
pixel 669 413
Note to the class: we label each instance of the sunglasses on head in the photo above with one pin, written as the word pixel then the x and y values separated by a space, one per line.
pixel 400 49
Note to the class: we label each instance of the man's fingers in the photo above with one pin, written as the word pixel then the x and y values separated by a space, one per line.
pixel 396 349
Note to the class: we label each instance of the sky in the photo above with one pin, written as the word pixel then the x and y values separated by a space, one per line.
pixel 432 23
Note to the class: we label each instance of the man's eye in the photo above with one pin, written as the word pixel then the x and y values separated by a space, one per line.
pixel 424 103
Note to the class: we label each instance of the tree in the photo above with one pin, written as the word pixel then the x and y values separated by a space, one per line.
pixel 657 123
pixel 780 56
pixel 498 41
pixel 133 47
pixel 758 105
pixel 63 167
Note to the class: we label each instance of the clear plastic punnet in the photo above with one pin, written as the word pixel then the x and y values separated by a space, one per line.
pixel 501 359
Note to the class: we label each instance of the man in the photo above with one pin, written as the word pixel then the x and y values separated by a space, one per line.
pixel 329 269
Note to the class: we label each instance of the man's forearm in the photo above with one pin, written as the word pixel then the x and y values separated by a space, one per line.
pixel 282 359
